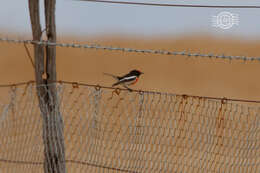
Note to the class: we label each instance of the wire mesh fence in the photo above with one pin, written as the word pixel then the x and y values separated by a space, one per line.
pixel 114 130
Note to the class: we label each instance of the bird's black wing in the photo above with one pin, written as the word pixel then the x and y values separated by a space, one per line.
pixel 125 79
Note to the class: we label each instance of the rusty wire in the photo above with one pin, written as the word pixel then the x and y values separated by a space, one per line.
pixel 139 131
pixel 116 90
pixel 66 161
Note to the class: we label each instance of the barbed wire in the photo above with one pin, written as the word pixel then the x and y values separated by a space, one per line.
pixel 171 5
pixel 133 50
pixel 77 84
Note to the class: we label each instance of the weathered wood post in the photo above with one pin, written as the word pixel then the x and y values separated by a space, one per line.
pixel 53 137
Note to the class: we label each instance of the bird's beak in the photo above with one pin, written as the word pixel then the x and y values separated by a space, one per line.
pixel 142 73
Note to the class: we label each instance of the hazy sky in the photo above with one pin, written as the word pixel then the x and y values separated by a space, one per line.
pixel 86 18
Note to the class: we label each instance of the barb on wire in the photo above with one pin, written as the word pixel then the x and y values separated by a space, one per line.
pixel 149 51
pixel 136 91
pixel 171 5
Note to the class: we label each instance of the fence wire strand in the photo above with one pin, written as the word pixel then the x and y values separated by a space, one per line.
pixel 116 130
pixel 171 5
pixel 143 51
pixel 117 90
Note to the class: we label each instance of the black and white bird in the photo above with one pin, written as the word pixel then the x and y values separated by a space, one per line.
pixel 126 80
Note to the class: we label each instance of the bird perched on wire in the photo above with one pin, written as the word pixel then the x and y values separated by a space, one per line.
pixel 126 80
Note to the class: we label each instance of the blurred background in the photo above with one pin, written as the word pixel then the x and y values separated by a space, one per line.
pixel 142 27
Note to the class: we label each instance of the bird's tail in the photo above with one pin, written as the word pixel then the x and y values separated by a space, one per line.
pixel 117 83
pixel 114 76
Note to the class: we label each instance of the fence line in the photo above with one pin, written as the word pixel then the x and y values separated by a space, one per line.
pixel 117 90
pixel 148 51
pixel 139 131
pixel 131 131
pixel 171 5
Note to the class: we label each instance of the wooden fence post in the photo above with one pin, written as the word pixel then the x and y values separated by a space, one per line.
pixel 53 137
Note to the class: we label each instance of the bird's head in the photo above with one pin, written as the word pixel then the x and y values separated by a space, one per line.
pixel 136 72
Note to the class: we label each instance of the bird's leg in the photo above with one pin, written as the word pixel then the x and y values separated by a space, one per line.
pixel 129 89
